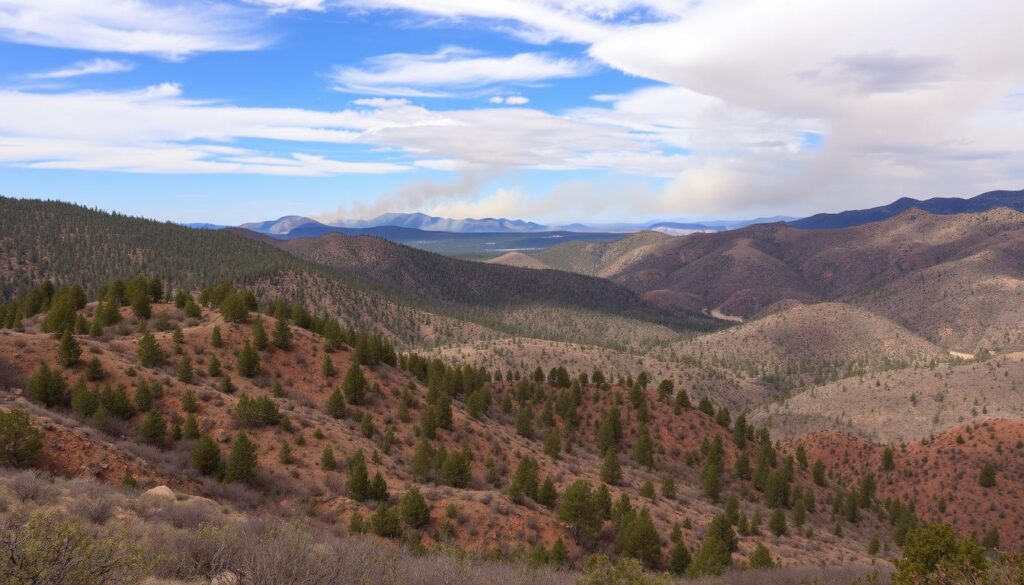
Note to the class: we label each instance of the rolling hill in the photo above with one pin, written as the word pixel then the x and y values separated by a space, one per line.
pixel 937 205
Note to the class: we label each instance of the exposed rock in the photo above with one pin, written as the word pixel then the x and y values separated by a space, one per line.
pixel 161 492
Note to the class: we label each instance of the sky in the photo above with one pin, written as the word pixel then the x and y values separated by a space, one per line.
pixel 555 111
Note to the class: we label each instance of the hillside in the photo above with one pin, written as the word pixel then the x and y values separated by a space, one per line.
pixel 941 475
pixel 464 284
pixel 944 277
pixel 598 258
pixel 937 205
pixel 812 344
pixel 904 405
pixel 468 499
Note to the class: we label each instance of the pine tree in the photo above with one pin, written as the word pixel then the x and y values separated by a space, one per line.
pixel 643 450
pixel 358 478
pixel 715 553
pixel 414 509
pixel 611 472
pixel 284 454
pixel 577 508
pixel 987 477
pixel 327 368
pixel 206 456
pixel 242 460
pixel 248 361
pixel 327 460
pixel 188 401
pixel 20 440
pixel 69 352
pixel 552 444
pixel 215 339
pixel 819 473
pixel 524 422
pixel 190 430
pixel 610 433
pixel 282 334
pixel 355 384
pixel 335 405
pixel 761 558
pixel 638 539
pixel 150 354
pixel 47 386
pixel 259 334
pixel 94 370
pixel 547 495
pixel 678 558
pixel 185 374
pixel 777 522
pixel 84 401
pixel 153 429
pixel 525 480
pixel 887 459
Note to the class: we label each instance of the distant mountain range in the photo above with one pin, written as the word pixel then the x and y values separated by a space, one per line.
pixel 938 205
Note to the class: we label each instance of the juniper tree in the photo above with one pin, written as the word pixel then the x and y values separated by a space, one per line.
pixel 68 352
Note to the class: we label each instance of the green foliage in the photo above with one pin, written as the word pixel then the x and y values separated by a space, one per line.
pixel 887 459
pixel 47 387
pixel 188 401
pixel 601 571
pixel 935 548
pixel 153 429
pixel 638 539
pixel 761 558
pixel 150 354
pixel 547 495
pixel 611 471
pixel 525 480
pixel 68 352
pixel 609 435
pixel 385 522
pixel 414 509
pixel 819 473
pixel 242 460
pixel 206 456
pixel 259 335
pixel 50 550
pixel 643 449
pixel 335 405
pixel 257 412
pixel 987 477
pixel 248 360
pixel 20 440
pixel 185 373
pixel 190 430
pixel 715 554
pixel 359 488
pixel 282 335
pixel 777 522
pixel 355 385
pixel 580 509
pixel 94 370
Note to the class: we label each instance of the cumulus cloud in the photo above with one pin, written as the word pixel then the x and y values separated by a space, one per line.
pixel 450 71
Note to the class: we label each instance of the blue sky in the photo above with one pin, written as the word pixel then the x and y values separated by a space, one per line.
pixel 589 110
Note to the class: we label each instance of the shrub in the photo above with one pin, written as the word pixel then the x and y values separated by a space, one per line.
pixel 415 512
pixel 761 558
pixel 47 387
pixel 20 441
pixel 242 460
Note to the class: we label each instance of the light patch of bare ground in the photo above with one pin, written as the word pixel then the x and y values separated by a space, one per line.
pixel 904 405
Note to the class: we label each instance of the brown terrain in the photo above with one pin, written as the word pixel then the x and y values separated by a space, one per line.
pixel 941 474
pixel 484 517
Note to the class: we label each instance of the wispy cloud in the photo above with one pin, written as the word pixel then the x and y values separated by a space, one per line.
pixel 169 31
pixel 282 6
pixel 79 68
pixel 451 71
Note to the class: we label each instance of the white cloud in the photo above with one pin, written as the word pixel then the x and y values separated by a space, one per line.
pixel 450 71
pixel 512 100
pixel 170 31
pixel 282 6
pixel 90 67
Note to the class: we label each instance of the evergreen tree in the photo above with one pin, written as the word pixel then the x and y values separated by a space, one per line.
pixel 611 471
pixel 153 429
pixel 20 440
pixel 248 360
pixel 678 558
pixel 185 374
pixel 282 334
pixel 355 385
pixel 761 558
pixel 525 480
pixel 213 368
pixel 524 422
pixel 335 405
pixel 358 478
pixel 638 539
pixel 206 456
pixel 47 387
pixel 547 495
pixel 577 508
pixel 987 477
pixel 777 522
pixel 215 338
pixel 327 460
pixel 69 352
pixel 190 430
pixel 610 432
pixel 150 354
pixel 242 460
pixel 84 401
pixel 188 401
pixel 552 444
pixel 259 334
pixel 819 473
pixel 714 555
pixel 414 509
pixel 94 370
pixel 327 368
pixel 887 459
pixel 643 450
